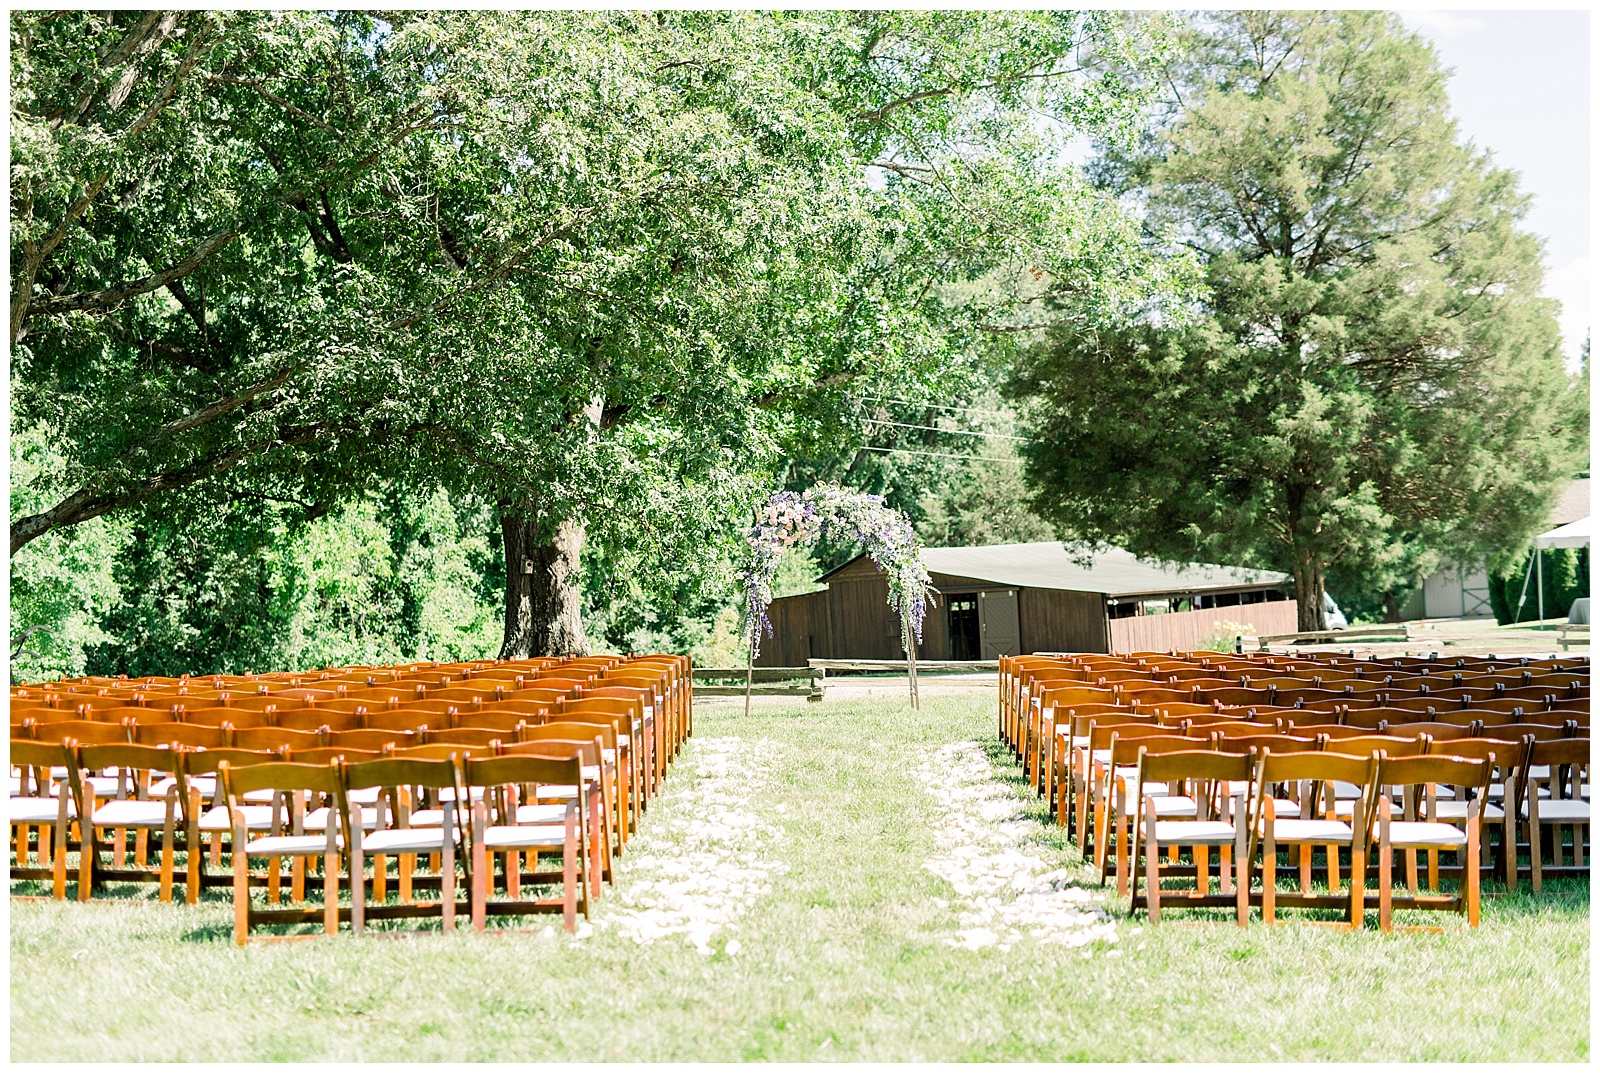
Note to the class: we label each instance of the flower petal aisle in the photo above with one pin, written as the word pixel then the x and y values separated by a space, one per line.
pixel 982 837
pixel 699 865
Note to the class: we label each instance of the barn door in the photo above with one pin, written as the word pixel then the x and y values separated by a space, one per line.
pixel 997 621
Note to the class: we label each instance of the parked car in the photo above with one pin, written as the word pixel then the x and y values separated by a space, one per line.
pixel 1336 620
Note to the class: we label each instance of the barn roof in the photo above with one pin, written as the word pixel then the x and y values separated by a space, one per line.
pixel 1112 571
pixel 1573 504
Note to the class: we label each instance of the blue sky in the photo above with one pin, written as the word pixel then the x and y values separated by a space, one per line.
pixel 1521 89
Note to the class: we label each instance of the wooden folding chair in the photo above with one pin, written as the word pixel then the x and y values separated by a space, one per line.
pixel 1420 829
pixel 630 764
pixel 613 787
pixel 1553 794
pixel 556 798
pixel 46 806
pixel 239 718
pixel 132 808
pixel 180 735
pixel 376 740
pixel 1223 822
pixel 1301 774
pixel 320 719
pixel 404 719
pixel 508 774
pixel 294 782
pixel 207 815
pixel 394 835
pixel 1116 805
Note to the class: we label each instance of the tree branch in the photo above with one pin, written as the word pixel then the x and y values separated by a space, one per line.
pixel 113 296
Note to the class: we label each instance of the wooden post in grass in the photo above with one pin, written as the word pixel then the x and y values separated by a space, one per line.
pixel 750 671
pixel 911 663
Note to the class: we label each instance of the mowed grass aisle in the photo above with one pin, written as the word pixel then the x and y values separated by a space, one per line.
pixel 844 949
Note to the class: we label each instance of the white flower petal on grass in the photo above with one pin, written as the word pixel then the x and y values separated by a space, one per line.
pixel 699 864
pixel 982 841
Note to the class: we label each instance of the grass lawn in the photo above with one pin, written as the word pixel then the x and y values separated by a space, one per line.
pixel 844 951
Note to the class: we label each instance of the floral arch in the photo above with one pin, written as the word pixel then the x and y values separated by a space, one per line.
pixel 791 518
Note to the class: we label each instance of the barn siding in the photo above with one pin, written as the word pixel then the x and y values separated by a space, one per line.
pixel 794 633
pixel 1054 620
pixel 1182 630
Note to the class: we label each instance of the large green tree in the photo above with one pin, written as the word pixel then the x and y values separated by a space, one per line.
pixel 593 268
pixel 1373 382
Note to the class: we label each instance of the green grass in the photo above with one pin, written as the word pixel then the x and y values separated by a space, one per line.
pixel 846 958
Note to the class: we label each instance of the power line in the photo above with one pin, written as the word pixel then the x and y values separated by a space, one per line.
pixel 940 406
pixel 936 454
pixel 951 431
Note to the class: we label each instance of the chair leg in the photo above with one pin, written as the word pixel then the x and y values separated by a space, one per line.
pixel 1124 834
pixel 1385 885
pixel 380 878
pixel 569 873
pixel 168 838
pixel 58 864
pixel 408 861
pixel 1269 877
pixel 1202 869
pixel 358 889
pixel 1471 879
pixel 1332 855
pixel 1536 853
pixel 330 892
pixel 1433 869
pixel 1152 865
pixel 480 870
pixel 1241 882
pixel 447 884
pixel 241 897
pixel 1358 874
pixel 87 851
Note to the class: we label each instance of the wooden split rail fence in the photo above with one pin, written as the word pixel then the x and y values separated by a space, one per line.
pixel 811 681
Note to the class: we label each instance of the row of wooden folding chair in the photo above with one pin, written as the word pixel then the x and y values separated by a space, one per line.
pixel 1237 814
pixel 244 815
pixel 1426 823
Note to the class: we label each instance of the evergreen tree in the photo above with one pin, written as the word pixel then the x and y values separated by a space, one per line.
pixel 1373 384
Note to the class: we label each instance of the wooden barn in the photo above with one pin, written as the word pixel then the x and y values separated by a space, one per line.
pixel 1008 599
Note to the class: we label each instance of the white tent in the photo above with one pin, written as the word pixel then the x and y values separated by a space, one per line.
pixel 1572 535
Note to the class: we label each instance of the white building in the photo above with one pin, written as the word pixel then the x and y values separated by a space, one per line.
pixel 1458 590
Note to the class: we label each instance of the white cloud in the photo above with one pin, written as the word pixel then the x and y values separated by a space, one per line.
pixel 1569 284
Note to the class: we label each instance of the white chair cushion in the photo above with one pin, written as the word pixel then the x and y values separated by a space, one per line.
pixel 131 814
pixel 1560 811
pixel 524 837
pixel 1194 832
pixel 317 820
pixel 1410 833
pixel 1453 810
pixel 448 793
pixel 541 813
pixel 1285 809
pixel 286 845
pixel 38 809
pixel 256 818
pixel 1331 831
pixel 404 840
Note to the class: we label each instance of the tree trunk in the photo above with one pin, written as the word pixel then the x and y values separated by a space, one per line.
pixel 1309 587
pixel 542 594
